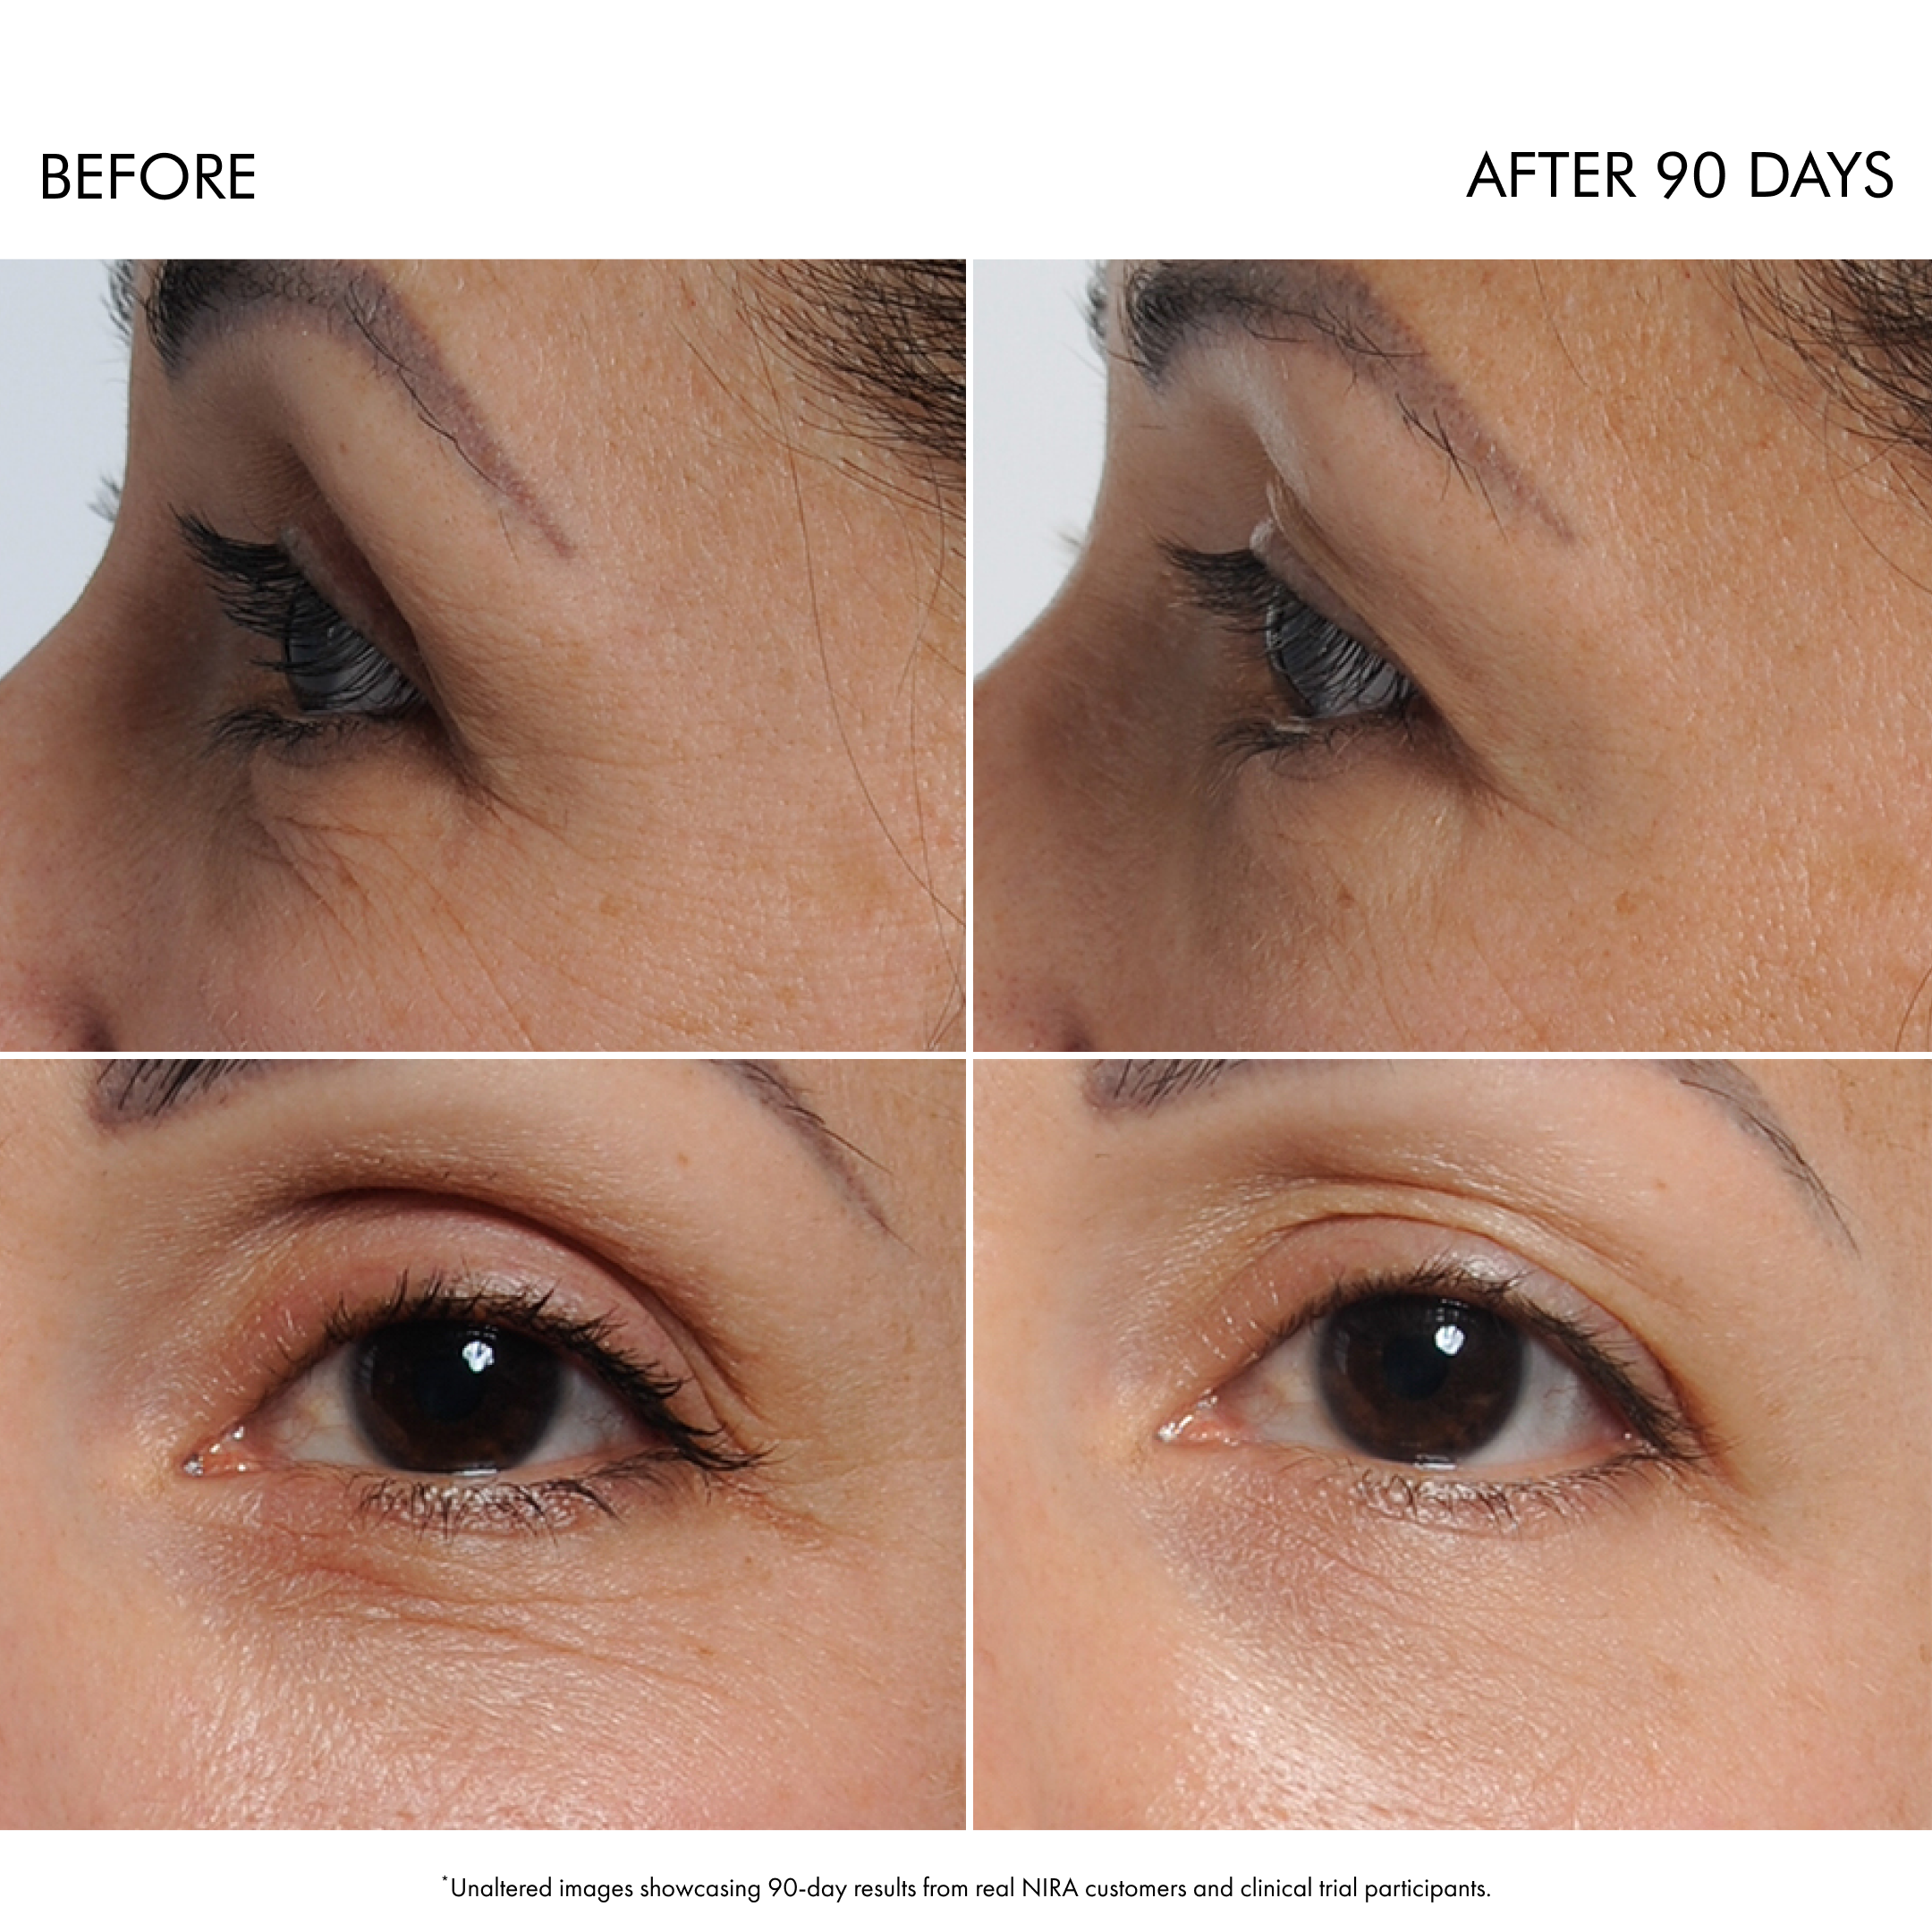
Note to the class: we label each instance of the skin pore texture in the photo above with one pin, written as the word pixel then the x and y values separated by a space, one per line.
pixel 1731 1627
pixel 1664 601
pixel 292 1637
pixel 686 766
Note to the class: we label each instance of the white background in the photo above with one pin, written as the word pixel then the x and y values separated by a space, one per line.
pixel 63 428
pixel 1038 404
pixel 1537 1882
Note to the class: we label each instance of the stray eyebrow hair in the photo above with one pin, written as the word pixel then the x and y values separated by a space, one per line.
pixel 139 1092
pixel 1116 1087
pixel 190 303
pixel 1167 307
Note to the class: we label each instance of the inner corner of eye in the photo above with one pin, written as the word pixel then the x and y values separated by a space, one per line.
pixel 233 1453
pixel 1202 1422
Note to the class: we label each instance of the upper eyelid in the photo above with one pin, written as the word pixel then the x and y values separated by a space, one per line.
pixel 287 1294
pixel 354 1187
pixel 528 1151
pixel 185 302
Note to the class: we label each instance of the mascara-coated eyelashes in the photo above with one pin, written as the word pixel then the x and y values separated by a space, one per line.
pixel 1327 676
pixel 457 1406
pixel 332 674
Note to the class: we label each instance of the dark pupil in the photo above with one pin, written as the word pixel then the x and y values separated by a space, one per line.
pixel 454 1397
pixel 1414 1380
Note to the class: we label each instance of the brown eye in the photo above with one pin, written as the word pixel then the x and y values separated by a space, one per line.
pixel 1446 1369
pixel 451 1382
pixel 454 1398
pixel 1415 1379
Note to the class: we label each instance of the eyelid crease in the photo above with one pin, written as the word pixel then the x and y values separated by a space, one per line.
pixel 1167 307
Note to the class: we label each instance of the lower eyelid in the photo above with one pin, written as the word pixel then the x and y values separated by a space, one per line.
pixel 1513 1508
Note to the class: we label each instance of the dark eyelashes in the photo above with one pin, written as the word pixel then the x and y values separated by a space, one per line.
pixel 1330 677
pixel 1233 584
pixel 649 1393
pixel 336 677
pixel 1665 1432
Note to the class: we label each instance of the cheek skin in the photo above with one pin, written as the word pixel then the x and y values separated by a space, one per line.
pixel 317 1700
pixel 1294 1682
pixel 1635 1669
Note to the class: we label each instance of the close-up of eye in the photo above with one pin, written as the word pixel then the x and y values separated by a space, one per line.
pixel 1469 1443
pixel 409 708
pixel 476 1444
pixel 477 1382
pixel 1344 653
pixel 332 674
pixel 1452 1368
pixel 1326 676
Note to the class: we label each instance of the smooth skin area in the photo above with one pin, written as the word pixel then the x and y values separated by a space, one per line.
pixel 298 1635
pixel 1665 605
pixel 688 769
pixel 1581 1631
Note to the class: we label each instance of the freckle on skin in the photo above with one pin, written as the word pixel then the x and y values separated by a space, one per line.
pixel 1626 903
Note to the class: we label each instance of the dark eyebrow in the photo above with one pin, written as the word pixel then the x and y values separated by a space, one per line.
pixel 131 1092
pixel 1115 1087
pixel 843 1161
pixel 188 303
pixel 138 1092
pixel 1744 1101
pixel 1167 307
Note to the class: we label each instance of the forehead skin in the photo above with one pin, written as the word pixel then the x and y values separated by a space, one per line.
pixel 1750 1648
pixel 1711 646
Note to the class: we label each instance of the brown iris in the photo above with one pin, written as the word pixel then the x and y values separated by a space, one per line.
pixel 453 1397
pixel 1419 1378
